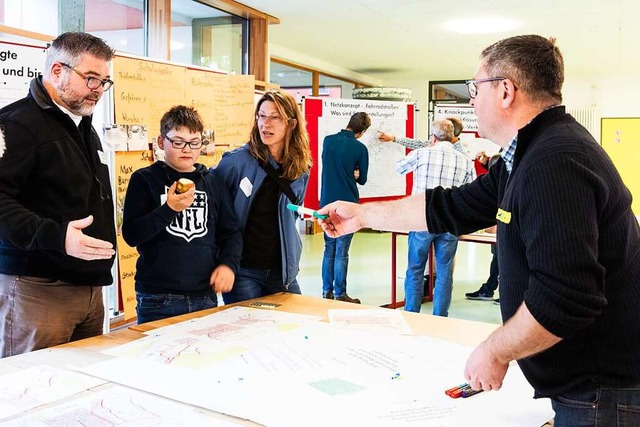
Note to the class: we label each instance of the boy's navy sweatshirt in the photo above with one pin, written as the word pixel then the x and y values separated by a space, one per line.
pixel 179 250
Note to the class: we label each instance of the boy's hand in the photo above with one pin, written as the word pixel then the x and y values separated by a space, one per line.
pixel 180 202
pixel 222 279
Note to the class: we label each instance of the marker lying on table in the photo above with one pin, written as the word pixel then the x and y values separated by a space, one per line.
pixel 458 387
pixel 458 393
pixel 306 211
pixel 469 393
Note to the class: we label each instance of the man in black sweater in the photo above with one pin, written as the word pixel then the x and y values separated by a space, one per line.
pixel 57 231
pixel 569 243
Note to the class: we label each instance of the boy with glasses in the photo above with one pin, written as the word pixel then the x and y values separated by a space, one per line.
pixel 189 242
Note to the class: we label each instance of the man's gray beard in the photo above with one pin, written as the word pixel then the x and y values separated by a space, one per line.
pixel 70 99
pixel 77 107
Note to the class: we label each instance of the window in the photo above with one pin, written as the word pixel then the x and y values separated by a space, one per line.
pixel 119 23
pixel 299 81
pixel 205 36
pixel 450 91
pixel 296 81
pixel 334 88
pixel 30 15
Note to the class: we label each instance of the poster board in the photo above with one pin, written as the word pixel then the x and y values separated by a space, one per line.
pixel 470 139
pixel 126 163
pixel 328 116
pixel 145 89
pixel 621 140
pixel 225 103
pixel 20 63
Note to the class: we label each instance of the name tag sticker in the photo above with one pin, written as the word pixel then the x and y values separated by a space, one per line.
pixel 103 157
pixel 503 216
pixel 246 186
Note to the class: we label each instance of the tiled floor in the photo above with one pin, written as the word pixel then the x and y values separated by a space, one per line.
pixel 370 273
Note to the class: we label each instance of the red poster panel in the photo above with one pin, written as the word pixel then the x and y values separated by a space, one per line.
pixel 328 116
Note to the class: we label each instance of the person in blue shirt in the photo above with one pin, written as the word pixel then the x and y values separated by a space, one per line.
pixel 438 164
pixel 345 163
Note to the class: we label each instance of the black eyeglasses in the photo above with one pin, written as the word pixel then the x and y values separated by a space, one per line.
pixel 472 85
pixel 92 82
pixel 180 144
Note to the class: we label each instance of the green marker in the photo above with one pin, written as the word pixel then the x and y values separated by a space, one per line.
pixel 306 211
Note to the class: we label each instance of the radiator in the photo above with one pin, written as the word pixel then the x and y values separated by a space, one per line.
pixel 587 117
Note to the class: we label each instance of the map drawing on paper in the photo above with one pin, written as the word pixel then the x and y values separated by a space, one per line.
pixel 122 407
pixel 38 385
pixel 199 343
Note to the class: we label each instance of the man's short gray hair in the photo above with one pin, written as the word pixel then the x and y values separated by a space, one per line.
pixel 442 130
pixel 70 47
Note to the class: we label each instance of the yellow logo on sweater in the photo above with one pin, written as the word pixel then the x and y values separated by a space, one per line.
pixel 503 216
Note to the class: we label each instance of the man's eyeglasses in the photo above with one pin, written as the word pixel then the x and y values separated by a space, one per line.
pixel 180 144
pixel 92 82
pixel 275 119
pixel 472 85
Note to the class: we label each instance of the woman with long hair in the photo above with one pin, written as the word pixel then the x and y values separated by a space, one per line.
pixel 263 176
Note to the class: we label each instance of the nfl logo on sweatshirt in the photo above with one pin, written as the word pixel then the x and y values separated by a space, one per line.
pixel 191 222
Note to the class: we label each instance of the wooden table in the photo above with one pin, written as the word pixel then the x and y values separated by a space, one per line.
pixel 86 352
pixel 486 238
pixel 461 331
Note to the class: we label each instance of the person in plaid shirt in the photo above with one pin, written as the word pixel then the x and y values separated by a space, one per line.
pixel 439 164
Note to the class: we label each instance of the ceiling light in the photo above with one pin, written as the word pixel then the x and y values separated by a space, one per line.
pixel 481 25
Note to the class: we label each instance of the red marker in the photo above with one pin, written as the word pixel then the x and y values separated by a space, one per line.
pixel 458 387
pixel 458 393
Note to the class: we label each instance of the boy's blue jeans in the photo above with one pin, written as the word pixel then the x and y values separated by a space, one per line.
pixel 335 263
pixel 160 306
pixel 598 407
pixel 445 246
pixel 257 282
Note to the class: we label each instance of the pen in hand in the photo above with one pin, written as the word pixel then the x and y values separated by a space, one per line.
pixel 306 211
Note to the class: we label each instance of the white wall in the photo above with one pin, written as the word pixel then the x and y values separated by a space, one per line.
pixel 420 89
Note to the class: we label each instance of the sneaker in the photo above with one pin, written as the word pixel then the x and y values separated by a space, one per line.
pixel 327 295
pixel 496 301
pixel 479 296
pixel 347 298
